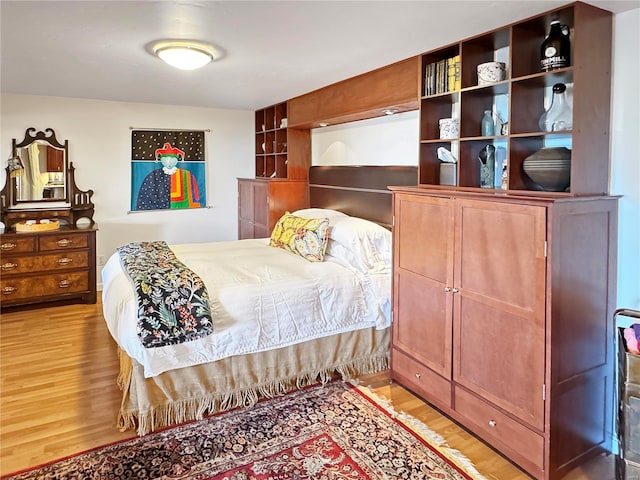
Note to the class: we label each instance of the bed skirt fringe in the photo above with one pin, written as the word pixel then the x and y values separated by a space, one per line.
pixel 180 411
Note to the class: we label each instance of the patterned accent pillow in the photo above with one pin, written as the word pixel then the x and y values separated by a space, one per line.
pixel 306 237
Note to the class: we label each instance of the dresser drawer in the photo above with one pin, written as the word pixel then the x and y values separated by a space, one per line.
pixel 16 244
pixel 422 380
pixel 500 427
pixel 43 285
pixel 15 265
pixel 63 241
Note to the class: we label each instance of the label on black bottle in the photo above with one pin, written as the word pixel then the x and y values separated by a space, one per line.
pixel 553 61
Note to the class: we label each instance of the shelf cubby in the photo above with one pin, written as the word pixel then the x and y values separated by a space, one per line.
pixel 521 99
pixel 482 49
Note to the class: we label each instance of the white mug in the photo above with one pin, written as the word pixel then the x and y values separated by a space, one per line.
pixel 448 128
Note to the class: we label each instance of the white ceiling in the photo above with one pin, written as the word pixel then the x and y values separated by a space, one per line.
pixel 270 51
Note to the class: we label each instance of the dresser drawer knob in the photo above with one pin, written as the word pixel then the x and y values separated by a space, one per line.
pixel 65 261
pixel 447 289
pixel 8 266
pixel 492 423
pixel 455 290
pixel 418 375
pixel 64 284
pixel 8 246
pixel 63 242
pixel 8 290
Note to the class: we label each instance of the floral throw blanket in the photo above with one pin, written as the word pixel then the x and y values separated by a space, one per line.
pixel 173 304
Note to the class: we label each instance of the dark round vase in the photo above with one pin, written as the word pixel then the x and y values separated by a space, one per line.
pixel 550 168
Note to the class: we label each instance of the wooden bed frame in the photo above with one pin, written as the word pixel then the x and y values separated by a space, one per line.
pixel 191 393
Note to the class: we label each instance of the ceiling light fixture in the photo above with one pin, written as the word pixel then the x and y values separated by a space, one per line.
pixel 184 54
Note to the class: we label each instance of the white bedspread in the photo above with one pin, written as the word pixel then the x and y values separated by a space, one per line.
pixel 261 298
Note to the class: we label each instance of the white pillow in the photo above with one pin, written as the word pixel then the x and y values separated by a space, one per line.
pixel 363 244
pixel 332 215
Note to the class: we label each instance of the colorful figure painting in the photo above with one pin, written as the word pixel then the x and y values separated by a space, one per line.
pixel 167 170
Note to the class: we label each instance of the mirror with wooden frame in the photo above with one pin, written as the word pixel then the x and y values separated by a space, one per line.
pixel 39 171
pixel 38 168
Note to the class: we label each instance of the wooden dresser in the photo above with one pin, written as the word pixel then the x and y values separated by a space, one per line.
pixel 48 267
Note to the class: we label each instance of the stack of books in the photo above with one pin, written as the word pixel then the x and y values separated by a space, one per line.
pixel 442 76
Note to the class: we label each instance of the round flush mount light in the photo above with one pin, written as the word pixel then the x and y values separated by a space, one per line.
pixel 184 54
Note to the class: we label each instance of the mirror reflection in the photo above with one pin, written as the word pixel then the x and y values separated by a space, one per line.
pixel 42 176
pixel 39 168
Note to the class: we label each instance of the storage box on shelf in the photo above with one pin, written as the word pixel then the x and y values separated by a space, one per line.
pixel 520 100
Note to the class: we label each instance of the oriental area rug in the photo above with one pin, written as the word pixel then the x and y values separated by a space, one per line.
pixel 334 431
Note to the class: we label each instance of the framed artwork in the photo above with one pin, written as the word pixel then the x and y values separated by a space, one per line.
pixel 168 169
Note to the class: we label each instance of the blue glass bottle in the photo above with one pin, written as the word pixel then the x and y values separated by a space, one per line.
pixel 487 125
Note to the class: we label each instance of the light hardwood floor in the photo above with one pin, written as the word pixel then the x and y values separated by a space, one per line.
pixel 58 395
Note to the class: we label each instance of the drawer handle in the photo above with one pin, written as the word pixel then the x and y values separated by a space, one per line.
pixel 455 290
pixel 65 261
pixel 418 375
pixel 8 290
pixel 492 423
pixel 447 289
pixel 64 242
pixel 8 266
pixel 64 284
pixel 8 246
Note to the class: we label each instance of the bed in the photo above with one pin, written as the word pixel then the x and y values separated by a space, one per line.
pixel 279 321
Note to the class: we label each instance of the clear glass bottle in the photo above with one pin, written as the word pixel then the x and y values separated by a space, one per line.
pixel 559 115
pixel 487 158
pixel 487 125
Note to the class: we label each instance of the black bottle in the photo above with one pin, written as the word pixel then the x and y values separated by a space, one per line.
pixel 555 51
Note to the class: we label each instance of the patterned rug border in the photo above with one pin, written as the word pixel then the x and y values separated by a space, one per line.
pixel 66 457
pixel 430 439
pixel 421 431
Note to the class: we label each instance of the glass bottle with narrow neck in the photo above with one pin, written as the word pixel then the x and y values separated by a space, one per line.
pixel 487 126
pixel 559 115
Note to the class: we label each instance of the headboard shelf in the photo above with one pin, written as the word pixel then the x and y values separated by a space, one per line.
pixel 359 190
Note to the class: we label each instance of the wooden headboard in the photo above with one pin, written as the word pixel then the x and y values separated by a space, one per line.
pixel 360 191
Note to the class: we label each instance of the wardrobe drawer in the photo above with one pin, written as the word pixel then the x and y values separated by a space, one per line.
pixel 422 380
pixel 15 265
pixel 15 244
pixel 500 427
pixel 56 284
pixel 63 241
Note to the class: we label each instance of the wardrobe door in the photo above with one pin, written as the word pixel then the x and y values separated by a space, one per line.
pixel 422 279
pixel 499 305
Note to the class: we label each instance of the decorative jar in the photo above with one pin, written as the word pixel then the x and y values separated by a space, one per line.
pixel 550 168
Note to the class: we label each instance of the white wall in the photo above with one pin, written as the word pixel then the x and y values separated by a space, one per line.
pixel 625 154
pixel 390 140
pixel 100 149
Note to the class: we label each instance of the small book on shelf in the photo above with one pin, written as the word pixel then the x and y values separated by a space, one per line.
pixel 451 74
